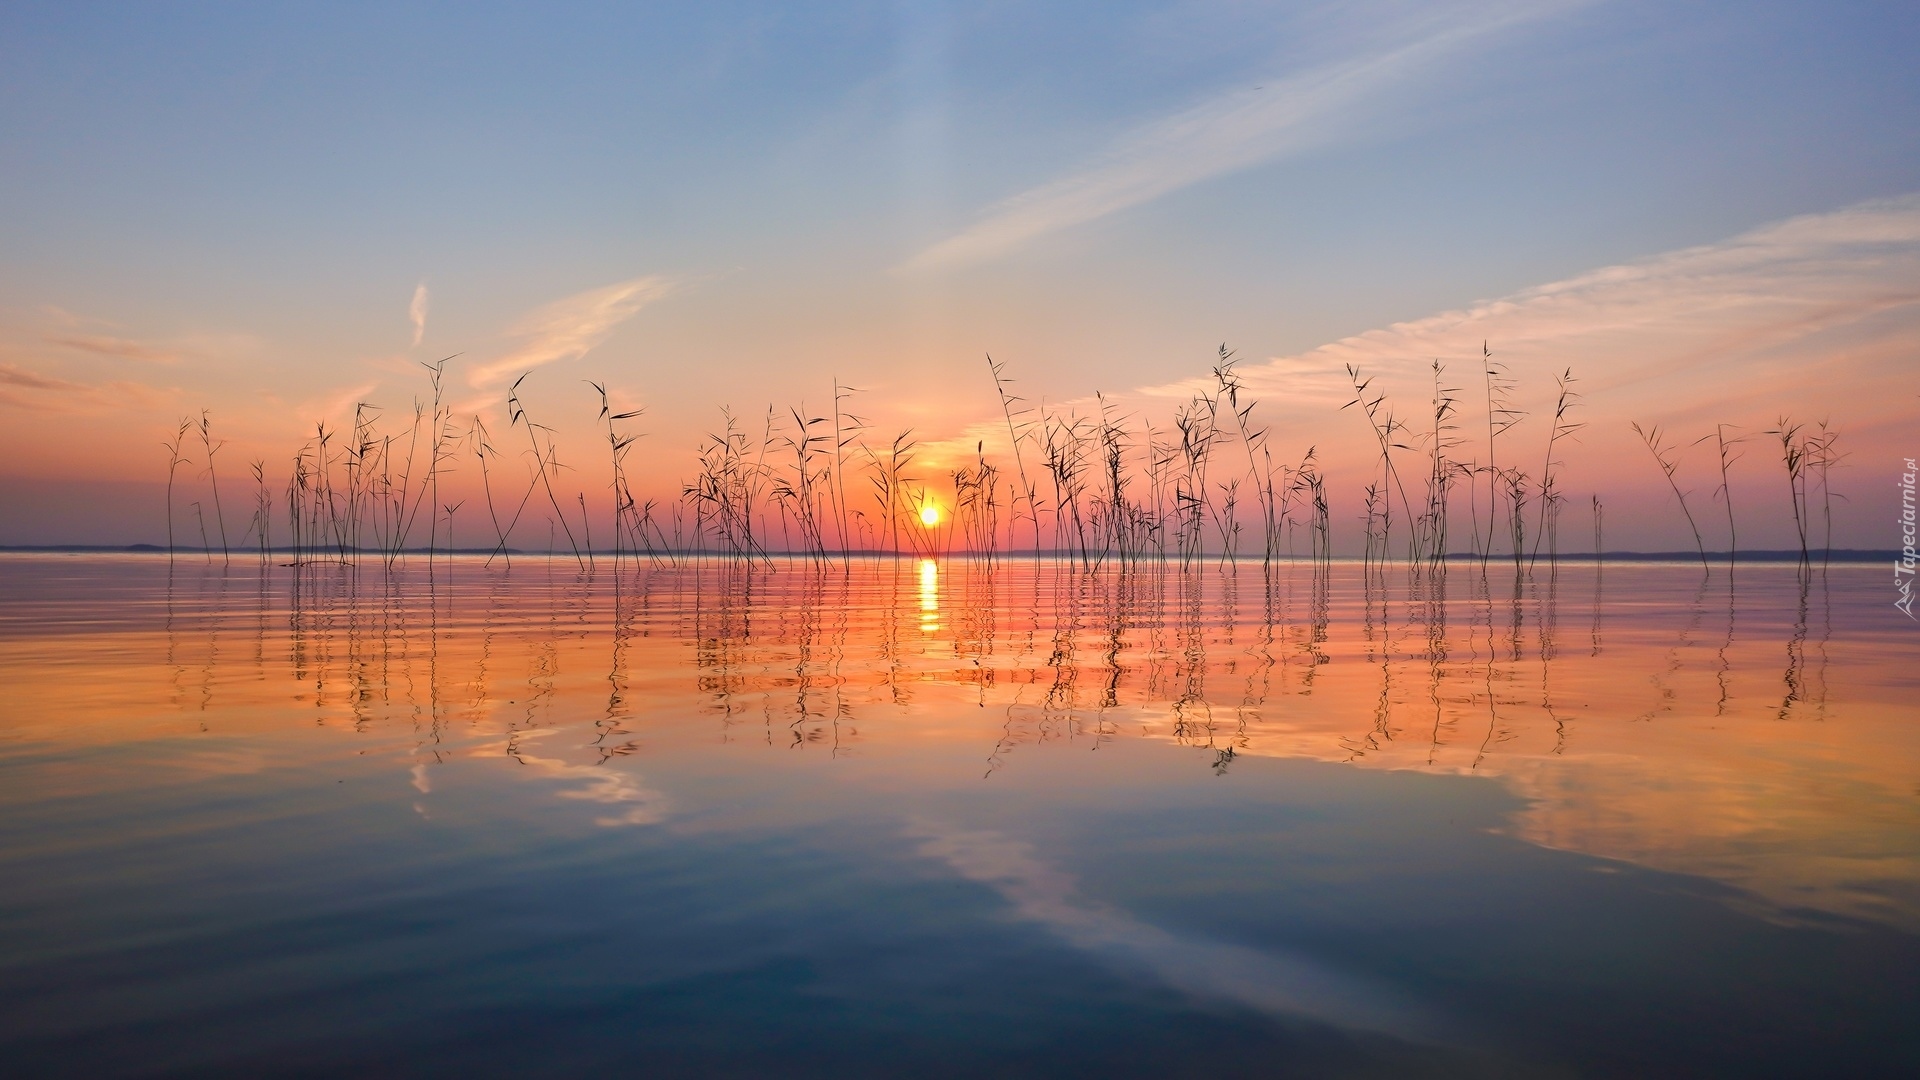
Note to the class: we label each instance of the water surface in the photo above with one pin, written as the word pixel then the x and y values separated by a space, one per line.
pixel 946 818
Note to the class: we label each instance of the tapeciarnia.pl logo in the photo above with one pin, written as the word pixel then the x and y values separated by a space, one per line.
pixel 1903 566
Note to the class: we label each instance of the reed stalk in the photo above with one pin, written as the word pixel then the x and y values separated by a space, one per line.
pixel 175 459
pixel 1728 454
pixel 1561 428
pixel 1016 433
pixel 1669 464
pixel 1794 453
pixel 220 516
pixel 1501 417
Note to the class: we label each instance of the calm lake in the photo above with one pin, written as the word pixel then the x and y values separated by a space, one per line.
pixel 951 818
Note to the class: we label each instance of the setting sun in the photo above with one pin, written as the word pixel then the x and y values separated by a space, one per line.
pixel 929 515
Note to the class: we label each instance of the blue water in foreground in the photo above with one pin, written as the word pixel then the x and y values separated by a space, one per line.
pixel 935 821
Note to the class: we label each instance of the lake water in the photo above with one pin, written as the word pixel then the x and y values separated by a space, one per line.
pixel 945 818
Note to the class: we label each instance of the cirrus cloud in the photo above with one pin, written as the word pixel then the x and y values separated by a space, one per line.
pixel 1284 115
pixel 570 328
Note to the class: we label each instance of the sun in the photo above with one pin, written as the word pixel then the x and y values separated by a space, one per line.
pixel 929 515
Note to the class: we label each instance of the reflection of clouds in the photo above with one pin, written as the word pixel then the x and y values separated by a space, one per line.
pixel 1254 978
pixel 237 761
pixel 1844 846
pixel 637 805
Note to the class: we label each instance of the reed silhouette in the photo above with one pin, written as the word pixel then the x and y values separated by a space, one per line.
pixel 1094 488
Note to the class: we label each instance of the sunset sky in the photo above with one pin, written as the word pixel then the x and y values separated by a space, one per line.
pixel 1710 212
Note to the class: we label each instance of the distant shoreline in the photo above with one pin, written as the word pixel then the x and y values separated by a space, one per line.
pixel 1840 555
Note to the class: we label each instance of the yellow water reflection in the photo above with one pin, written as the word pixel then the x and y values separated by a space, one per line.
pixel 929 596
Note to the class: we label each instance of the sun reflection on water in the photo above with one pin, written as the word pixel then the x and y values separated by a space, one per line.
pixel 929 596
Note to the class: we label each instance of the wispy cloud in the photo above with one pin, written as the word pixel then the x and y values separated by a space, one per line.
pixel 29 391
pixel 570 328
pixel 14 375
pixel 119 348
pixel 417 311
pixel 1284 115
pixel 1754 315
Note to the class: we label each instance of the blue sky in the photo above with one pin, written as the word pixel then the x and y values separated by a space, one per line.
pixel 235 205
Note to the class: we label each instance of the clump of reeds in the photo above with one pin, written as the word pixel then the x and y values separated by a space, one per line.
pixel 1064 446
pixel 724 491
pixel 1501 417
pixel 624 506
pixel 1309 482
pixel 1809 459
pixel 1515 483
pixel 545 465
pixel 1018 427
pixel 976 503
pixel 1198 425
pixel 262 523
pixel 800 492
pixel 1253 440
pixel 1794 454
pixel 1119 488
pixel 1562 427
pixel 1441 471
pixel 1386 429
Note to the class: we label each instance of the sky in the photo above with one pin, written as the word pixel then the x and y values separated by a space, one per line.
pixel 1709 212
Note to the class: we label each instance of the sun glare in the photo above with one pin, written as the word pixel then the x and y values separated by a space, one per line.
pixel 929 515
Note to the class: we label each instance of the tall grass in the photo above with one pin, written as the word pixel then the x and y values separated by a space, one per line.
pixel 175 459
pixel 1795 452
pixel 1562 426
pixel 213 478
pixel 1501 418
pixel 1118 488
pixel 1728 453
